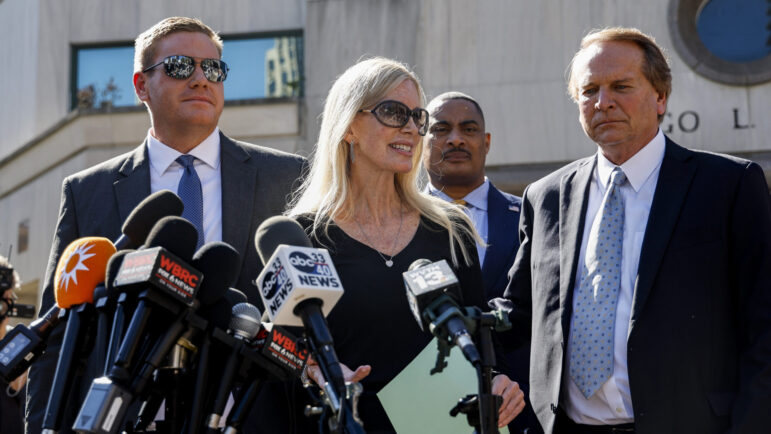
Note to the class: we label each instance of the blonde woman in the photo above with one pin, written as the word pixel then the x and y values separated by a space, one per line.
pixel 361 201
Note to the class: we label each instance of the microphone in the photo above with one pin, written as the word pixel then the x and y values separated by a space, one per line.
pixel 299 286
pixel 172 287
pixel 89 254
pixel 167 283
pixel 282 348
pixel 433 293
pixel 160 272
pixel 121 301
pixel 244 326
pixel 219 264
pixel 105 306
pixel 287 356
pixel 23 345
pixel 80 269
pixel 218 316
pixel 140 222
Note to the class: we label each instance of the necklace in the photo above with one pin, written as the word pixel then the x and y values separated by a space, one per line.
pixel 390 261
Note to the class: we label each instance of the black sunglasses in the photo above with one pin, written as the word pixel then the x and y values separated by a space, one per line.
pixel 182 67
pixel 396 115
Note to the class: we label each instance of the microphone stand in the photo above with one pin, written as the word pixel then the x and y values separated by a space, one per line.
pixel 336 392
pixel 481 409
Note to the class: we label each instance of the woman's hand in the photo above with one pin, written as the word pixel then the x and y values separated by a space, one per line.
pixel 314 372
pixel 513 399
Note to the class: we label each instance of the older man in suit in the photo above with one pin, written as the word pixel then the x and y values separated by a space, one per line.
pixel 230 186
pixel 644 270
pixel 457 144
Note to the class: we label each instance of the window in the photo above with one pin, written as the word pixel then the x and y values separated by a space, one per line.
pixel 103 77
pixel 736 30
pixel 728 41
pixel 262 66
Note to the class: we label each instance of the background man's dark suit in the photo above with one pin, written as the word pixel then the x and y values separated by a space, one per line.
pixel 699 346
pixel 256 182
pixel 502 223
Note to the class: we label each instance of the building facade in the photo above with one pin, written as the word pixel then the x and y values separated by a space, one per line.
pixel 68 102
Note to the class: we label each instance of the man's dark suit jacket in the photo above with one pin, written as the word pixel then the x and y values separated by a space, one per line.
pixel 699 345
pixel 256 182
pixel 502 223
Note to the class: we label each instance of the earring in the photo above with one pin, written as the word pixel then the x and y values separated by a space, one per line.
pixel 350 150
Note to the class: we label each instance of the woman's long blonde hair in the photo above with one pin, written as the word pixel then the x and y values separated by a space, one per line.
pixel 326 191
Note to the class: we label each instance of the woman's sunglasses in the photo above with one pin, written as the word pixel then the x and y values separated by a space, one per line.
pixel 396 115
pixel 182 67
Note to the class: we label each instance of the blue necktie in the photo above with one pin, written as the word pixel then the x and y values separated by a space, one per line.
pixel 189 190
pixel 594 314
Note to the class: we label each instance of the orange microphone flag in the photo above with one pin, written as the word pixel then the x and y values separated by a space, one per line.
pixel 81 267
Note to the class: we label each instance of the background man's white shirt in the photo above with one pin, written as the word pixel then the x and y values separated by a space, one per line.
pixel 476 209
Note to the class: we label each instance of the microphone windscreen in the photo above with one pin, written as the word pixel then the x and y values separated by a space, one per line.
pixel 234 296
pixel 153 208
pixel 219 312
pixel 245 320
pixel 176 235
pixel 422 262
pixel 219 263
pixel 81 267
pixel 113 266
pixel 278 230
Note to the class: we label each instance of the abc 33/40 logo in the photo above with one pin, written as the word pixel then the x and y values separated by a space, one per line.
pixel 315 263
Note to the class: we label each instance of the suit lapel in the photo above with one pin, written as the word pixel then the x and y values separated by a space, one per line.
pixel 674 181
pixel 574 193
pixel 501 238
pixel 238 183
pixel 133 183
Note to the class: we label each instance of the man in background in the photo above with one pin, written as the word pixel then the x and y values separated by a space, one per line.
pixel 228 187
pixel 457 144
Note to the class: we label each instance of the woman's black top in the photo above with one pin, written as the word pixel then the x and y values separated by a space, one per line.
pixel 372 323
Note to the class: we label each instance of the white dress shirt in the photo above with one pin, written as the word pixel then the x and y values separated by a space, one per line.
pixel 476 209
pixel 612 403
pixel 165 173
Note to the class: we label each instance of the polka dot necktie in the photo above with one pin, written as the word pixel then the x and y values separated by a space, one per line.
pixel 594 312
pixel 189 190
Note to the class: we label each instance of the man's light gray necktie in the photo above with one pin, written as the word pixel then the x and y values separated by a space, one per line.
pixel 594 313
pixel 189 190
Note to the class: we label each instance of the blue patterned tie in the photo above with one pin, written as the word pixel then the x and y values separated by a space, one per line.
pixel 594 314
pixel 189 190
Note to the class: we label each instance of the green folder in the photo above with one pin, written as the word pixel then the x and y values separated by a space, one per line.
pixel 418 402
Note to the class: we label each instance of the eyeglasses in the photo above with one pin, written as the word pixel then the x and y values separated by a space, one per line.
pixel 396 115
pixel 182 67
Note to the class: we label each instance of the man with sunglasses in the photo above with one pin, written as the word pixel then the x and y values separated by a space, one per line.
pixel 456 148
pixel 228 187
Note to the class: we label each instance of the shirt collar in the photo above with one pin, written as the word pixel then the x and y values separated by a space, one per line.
pixel 638 168
pixel 476 198
pixel 163 156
